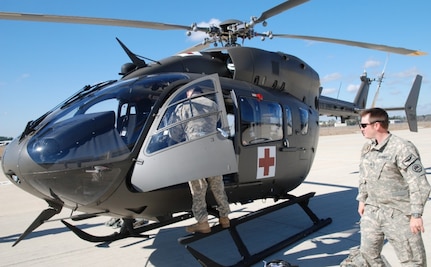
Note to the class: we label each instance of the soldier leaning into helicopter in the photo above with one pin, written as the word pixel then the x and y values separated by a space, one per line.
pixel 191 130
pixel 393 190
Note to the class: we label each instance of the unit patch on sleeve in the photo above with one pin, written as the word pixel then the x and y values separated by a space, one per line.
pixel 417 168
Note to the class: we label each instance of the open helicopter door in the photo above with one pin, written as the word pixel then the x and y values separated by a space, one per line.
pixel 172 153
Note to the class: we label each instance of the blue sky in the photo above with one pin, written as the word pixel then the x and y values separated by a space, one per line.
pixel 41 64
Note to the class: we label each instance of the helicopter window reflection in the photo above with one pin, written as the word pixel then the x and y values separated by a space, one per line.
pixel 289 127
pixel 303 115
pixel 137 104
pixel 261 121
pixel 192 113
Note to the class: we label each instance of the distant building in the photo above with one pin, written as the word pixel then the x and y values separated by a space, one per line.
pixel 340 124
pixel 3 143
pixel 395 121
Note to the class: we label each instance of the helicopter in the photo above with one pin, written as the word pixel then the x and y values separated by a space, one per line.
pixel 107 149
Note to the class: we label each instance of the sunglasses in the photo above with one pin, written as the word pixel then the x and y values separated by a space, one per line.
pixel 364 125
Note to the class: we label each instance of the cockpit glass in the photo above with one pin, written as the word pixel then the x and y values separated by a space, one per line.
pixel 102 124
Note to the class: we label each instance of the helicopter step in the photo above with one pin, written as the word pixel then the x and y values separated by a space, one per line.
pixel 128 229
pixel 246 258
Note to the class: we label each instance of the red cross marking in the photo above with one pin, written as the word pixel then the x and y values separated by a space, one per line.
pixel 266 162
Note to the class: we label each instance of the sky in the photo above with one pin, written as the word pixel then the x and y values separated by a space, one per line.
pixel 41 64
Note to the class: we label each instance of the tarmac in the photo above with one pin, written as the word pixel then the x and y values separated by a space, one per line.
pixel 334 177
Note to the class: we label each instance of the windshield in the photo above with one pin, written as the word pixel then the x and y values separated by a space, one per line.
pixel 98 124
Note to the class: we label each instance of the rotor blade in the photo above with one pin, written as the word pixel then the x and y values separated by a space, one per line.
pixel 278 9
pixel 397 50
pixel 95 21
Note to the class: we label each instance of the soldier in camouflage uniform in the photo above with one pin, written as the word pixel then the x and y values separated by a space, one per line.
pixel 192 129
pixel 393 190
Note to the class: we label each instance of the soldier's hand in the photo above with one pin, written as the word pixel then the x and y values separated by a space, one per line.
pixel 361 208
pixel 416 225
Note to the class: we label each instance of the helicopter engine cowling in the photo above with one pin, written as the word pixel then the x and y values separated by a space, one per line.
pixel 276 70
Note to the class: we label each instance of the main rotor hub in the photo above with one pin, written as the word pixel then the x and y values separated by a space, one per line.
pixel 230 30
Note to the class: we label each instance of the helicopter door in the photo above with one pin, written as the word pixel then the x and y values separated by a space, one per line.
pixel 188 139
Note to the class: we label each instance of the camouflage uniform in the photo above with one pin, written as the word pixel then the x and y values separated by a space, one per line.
pixel 393 185
pixel 198 188
pixel 193 129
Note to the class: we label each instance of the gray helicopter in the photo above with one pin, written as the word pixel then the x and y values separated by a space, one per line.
pixel 107 150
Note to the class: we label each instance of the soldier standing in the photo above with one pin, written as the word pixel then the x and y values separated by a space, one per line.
pixel 193 129
pixel 393 190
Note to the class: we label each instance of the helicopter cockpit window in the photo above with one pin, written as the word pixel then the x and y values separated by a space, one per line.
pixel 303 116
pixel 103 124
pixel 192 113
pixel 261 121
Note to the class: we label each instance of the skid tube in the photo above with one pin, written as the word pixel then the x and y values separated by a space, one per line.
pixel 127 229
pixel 246 258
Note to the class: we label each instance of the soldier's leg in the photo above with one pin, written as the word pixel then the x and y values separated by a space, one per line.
pixel 217 188
pixel 408 247
pixel 372 237
pixel 198 189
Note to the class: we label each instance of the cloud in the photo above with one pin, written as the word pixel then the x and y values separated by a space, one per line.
pixel 331 77
pixel 412 72
pixel 309 43
pixel 200 36
pixel 371 63
pixel 329 91
pixel 352 88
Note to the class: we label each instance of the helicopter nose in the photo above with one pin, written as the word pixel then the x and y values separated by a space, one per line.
pixel 10 162
pixel 11 165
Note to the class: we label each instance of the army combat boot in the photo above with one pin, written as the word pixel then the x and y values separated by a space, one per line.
pixel 224 222
pixel 200 227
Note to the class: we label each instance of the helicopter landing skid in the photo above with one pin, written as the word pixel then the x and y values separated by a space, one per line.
pixel 128 229
pixel 246 258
